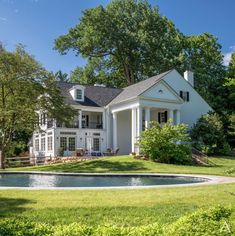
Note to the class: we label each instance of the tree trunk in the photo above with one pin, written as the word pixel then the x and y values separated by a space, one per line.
pixel 2 159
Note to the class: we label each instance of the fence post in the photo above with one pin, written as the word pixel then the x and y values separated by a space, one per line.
pixel 0 159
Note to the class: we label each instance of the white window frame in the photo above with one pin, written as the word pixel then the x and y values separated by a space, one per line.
pixel 49 143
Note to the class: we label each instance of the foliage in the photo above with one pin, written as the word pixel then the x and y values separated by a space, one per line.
pixel 203 56
pixel 25 87
pixel 22 227
pixel 206 223
pixel 203 222
pixel 62 77
pixel 167 143
pixel 130 38
pixel 208 134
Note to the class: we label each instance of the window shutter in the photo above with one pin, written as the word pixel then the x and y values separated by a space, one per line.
pixel 159 117
pixel 165 116
pixel 181 94
pixel 187 96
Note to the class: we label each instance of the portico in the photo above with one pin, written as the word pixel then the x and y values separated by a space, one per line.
pixel 139 118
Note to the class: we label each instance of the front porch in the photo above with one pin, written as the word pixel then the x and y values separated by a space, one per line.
pixel 129 123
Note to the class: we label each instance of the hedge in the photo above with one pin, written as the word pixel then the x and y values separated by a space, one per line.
pixel 214 222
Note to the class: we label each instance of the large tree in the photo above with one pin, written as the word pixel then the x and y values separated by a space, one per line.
pixel 130 36
pixel 24 88
pixel 202 55
pixel 128 41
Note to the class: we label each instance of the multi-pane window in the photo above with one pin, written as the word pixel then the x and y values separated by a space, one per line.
pixel 96 144
pixel 68 143
pixel 71 144
pixel 36 144
pixel 63 142
pixel 49 143
pixel 79 94
pixel 43 144
pixel 184 95
pixel 162 117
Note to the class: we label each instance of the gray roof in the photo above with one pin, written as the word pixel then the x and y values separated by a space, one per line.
pixel 137 89
pixel 94 95
pixel 97 96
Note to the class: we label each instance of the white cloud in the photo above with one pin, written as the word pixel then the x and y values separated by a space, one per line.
pixel 3 18
pixel 227 56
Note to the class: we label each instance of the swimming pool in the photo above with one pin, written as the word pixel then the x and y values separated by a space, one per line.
pixel 71 180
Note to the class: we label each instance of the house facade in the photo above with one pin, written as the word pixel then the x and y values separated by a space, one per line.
pixel 114 118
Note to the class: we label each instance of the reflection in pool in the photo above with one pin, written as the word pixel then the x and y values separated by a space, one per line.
pixel 63 180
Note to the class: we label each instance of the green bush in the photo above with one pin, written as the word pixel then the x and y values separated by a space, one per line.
pixel 202 223
pixel 208 135
pixel 73 229
pixel 22 227
pixel 168 143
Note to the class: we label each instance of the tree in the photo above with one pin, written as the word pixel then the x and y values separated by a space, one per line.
pixel 97 70
pixel 202 54
pixel 167 143
pixel 62 77
pixel 208 135
pixel 24 88
pixel 130 35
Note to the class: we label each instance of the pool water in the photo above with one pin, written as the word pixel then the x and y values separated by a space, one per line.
pixel 66 180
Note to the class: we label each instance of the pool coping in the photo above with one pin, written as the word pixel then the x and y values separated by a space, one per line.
pixel 209 180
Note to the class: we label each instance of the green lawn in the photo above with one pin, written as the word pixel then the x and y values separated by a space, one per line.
pixel 119 207
pixel 128 164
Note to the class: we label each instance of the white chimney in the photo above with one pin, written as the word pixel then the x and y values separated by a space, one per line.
pixel 188 75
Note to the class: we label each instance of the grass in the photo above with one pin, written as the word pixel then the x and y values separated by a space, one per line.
pixel 119 207
pixel 225 166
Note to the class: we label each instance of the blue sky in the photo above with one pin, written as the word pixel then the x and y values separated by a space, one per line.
pixel 36 23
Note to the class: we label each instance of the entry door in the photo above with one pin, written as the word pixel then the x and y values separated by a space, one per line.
pixel 96 144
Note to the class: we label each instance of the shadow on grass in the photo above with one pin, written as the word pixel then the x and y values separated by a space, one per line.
pixel 96 166
pixel 13 206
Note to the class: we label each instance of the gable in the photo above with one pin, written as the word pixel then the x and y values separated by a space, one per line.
pixel 161 91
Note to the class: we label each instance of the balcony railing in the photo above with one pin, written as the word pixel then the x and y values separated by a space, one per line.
pixel 75 124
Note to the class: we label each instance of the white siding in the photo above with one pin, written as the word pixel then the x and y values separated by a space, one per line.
pixel 190 111
pixel 124 132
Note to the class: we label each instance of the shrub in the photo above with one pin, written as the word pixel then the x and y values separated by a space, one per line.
pixel 73 229
pixel 208 135
pixel 22 227
pixel 201 223
pixel 167 143
pixel 205 223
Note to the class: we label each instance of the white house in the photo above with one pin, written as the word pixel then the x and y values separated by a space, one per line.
pixel 113 118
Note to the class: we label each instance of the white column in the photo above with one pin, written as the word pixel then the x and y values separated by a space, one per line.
pixel 115 130
pixel 171 115
pixel 177 117
pixel 147 117
pixel 103 120
pixel 80 119
pixel 133 129
pixel 139 121
pixel 108 130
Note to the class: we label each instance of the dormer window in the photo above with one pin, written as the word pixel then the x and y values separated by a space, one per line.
pixel 79 94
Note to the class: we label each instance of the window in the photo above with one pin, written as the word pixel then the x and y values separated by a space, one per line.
pixel 63 142
pixel 49 143
pixel 43 144
pixel 162 117
pixel 71 144
pixel 96 144
pixel 184 95
pixel 78 94
pixel 68 143
pixel 36 144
